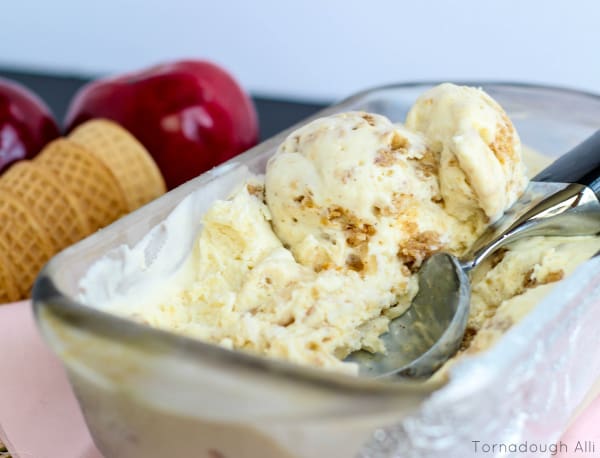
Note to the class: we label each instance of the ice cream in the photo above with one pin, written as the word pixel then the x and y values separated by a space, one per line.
pixel 509 284
pixel 248 292
pixel 311 261
pixel 479 149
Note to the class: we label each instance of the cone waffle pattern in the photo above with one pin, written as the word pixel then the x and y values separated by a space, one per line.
pixel 75 186
pixel 58 210
pixel 23 241
pixel 8 288
pixel 134 168
pixel 86 177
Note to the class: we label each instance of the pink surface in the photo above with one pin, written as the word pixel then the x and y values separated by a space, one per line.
pixel 40 418
pixel 583 438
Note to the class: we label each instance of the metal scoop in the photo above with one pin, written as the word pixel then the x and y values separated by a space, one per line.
pixel 563 200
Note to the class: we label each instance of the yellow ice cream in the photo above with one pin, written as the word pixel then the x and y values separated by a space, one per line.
pixel 508 285
pixel 478 148
pixel 310 262
pixel 250 293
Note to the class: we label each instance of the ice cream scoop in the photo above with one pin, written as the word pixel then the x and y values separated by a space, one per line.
pixel 564 199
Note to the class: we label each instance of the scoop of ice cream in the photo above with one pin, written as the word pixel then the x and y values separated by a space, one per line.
pixel 354 191
pixel 478 148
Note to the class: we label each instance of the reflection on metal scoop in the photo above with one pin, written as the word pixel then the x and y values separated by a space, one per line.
pixel 431 330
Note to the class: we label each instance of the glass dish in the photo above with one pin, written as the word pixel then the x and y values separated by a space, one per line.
pixel 149 393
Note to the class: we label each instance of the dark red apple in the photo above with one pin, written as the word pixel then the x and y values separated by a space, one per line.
pixel 190 115
pixel 26 124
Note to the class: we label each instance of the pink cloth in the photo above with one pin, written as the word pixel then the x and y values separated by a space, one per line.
pixel 40 417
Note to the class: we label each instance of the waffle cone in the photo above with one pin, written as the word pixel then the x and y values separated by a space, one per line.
pixel 22 240
pixel 87 178
pixel 55 207
pixel 137 173
pixel 8 288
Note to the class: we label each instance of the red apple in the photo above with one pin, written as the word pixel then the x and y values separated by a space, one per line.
pixel 26 124
pixel 190 115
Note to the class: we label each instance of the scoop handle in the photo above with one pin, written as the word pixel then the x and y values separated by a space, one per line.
pixel 580 165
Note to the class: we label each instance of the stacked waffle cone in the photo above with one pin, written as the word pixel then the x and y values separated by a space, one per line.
pixel 75 186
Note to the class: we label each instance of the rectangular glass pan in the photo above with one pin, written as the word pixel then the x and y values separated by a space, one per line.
pixel 146 392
